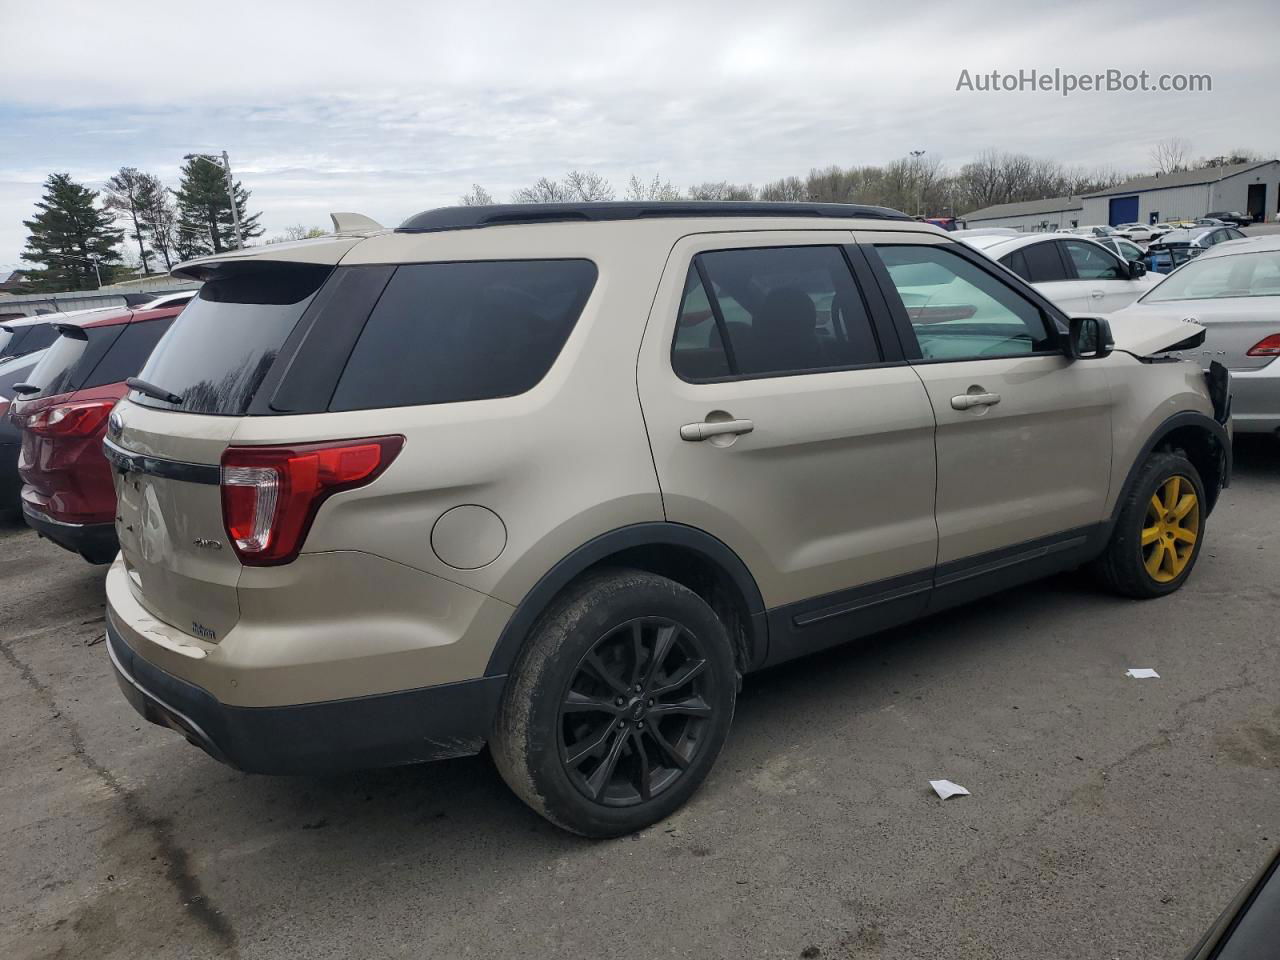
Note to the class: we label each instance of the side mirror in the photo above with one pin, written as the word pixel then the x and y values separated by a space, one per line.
pixel 1137 269
pixel 1089 338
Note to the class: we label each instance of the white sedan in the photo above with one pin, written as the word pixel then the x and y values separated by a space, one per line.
pixel 1137 232
pixel 1078 274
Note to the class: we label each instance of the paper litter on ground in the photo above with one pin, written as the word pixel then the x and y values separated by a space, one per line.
pixel 1141 673
pixel 945 789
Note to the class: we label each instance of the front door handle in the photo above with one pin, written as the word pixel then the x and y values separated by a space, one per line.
pixel 715 428
pixel 1097 294
pixel 967 400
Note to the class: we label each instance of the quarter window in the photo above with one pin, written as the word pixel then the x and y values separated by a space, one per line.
pixel 769 311
pixel 1092 262
pixel 448 332
pixel 958 310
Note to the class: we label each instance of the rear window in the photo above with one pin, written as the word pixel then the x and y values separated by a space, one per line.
pixel 63 367
pixel 223 343
pixel 29 339
pixel 128 353
pixel 448 332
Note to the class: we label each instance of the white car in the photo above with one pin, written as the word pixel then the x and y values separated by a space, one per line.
pixel 1137 232
pixel 169 300
pixel 1078 274
pixel 1233 291
pixel 1094 230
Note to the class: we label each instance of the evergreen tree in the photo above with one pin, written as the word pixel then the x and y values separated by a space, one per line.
pixel 205 224
pixel 158 218
pixel 68 232
pixel 124 196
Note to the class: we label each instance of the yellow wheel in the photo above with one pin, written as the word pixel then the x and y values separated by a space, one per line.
pixel 1171 530
pixel 1158 530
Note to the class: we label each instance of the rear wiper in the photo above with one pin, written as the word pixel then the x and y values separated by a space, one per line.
pixel 151 390
pixel 25 389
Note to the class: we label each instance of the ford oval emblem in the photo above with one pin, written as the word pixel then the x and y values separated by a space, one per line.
pixel 115 423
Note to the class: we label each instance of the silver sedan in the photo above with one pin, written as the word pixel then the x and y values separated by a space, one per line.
pixel 1233 289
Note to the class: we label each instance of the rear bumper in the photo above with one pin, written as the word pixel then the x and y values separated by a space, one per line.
pixel 96 542
pixel 410 726
pixel 1255 399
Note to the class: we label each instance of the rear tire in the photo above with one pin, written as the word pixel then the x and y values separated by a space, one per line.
pixel 618 705
pixel 1159 532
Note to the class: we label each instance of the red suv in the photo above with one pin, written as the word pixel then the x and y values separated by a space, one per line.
pixel 62 409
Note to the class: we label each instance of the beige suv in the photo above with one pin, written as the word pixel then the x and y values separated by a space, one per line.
pixel 554 478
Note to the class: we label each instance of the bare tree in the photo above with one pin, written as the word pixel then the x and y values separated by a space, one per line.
pixel 122 195
pixel 786 190
pixel 1171 155
pixel 477 196
pixel 158 217
pixel 655 189
pixel 298 232
pixel 722 190
pixel 577 187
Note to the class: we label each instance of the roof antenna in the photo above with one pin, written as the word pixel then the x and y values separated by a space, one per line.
pixel 353 223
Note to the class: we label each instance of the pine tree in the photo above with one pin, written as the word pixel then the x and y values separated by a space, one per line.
pixel 123 195
pixel 205 224
pixel 158 218
pixel 68 233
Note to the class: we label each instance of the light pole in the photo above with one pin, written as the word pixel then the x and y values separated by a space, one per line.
pixel 915 163
pixel 225 167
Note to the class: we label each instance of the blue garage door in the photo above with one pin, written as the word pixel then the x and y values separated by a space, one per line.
pixel 1123 210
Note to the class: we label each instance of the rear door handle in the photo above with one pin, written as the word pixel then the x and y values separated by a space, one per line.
pixel 967 400
pixel 1097 294
pixel 715 428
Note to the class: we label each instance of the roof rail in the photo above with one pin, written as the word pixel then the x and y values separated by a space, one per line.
pixel 469 218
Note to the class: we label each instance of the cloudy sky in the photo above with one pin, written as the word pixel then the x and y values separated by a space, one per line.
pixel 389 107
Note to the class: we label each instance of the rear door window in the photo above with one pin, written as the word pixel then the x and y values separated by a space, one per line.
pixel 782 310
pixel 221 346
pixel 1044 263
pixel 128 354
pixel 449 332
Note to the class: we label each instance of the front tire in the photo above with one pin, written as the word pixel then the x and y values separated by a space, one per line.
pixel 1159 532
pixel 619 704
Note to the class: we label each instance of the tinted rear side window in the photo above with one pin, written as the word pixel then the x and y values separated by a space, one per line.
pixel 783 310
pixel 223 343
pixel 31 338
pixel 128 354
pixel 64 365
pixel 447 332
pixel 1044 265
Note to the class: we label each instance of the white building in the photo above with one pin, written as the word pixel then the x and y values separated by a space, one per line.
pixel 1030 216
pixel 1252 188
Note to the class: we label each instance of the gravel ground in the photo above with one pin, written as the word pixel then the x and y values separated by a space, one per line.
pixel 1109 817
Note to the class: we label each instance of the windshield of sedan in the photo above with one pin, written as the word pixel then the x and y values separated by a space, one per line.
pixel 1239 275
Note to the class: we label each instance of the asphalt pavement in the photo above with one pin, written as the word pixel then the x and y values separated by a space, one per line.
pixel 1108 817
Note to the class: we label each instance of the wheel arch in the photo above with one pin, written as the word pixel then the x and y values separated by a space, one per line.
pixel 687 555
pixel 1205 443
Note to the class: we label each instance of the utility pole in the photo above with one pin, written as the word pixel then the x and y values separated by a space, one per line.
pixel 225 167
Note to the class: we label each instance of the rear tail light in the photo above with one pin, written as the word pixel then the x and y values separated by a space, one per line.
pixel 1266 347
pixel 82 419
pixel 270 495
